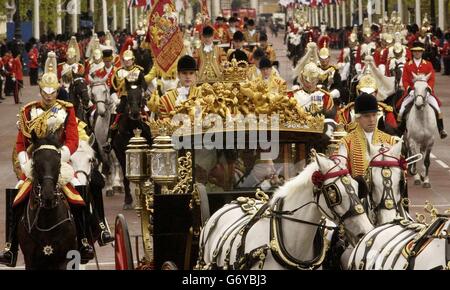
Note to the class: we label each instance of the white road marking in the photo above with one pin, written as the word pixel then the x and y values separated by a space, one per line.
pixel 442 164
pixel 432 156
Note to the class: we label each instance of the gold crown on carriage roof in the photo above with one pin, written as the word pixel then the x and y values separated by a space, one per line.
pixel 234 71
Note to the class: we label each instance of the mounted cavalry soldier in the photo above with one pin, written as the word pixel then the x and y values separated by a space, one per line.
pixel 314 99
pixel 71 69
pixel 330 79
pixel 418 66
pixel 354 146
pixel 39 119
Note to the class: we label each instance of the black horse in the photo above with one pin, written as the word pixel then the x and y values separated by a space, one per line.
pixel 131 108
pixel 79 97
pixel 46 230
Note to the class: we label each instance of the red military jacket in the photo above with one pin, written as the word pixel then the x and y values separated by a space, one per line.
pixel 33 56
pixel 16 69
pixel 425 67
pixel 34 109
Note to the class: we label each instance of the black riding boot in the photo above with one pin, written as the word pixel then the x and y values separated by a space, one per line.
pixel 96 185
pixel 8 256
pixel 80 218
pixel 440 125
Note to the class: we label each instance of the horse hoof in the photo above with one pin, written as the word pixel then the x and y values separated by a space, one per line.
pixel 109 193
pixel 127 206
pixel 417 182
pixel 426 185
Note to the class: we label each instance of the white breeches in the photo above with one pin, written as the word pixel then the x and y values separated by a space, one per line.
pixel 410 98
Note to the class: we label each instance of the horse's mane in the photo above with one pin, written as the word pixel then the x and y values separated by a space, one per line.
pixel 300 183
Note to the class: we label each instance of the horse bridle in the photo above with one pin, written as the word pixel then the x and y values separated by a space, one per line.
pixel 96 84
pixel 82 80
pixel 38 187
pixel 387 201
pixel 332 196
pixel 39 200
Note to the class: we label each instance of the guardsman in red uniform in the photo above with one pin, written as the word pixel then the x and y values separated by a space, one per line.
pixel 39 118
pixel 69 70
pixel 33 65
pixel 221 30
pixel 17 77
pixel 419 66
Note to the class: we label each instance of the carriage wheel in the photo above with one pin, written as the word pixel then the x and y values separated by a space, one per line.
pixel 122 247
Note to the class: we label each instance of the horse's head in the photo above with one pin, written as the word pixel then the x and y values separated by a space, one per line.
pixel 336 193
pixel 46 167
pixel 135 102
pixel 100 97
pixel 421 90
pixel 386 180
pixel 82 161
pixel 81 91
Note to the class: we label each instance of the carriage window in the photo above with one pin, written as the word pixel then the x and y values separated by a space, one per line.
pixel 244 170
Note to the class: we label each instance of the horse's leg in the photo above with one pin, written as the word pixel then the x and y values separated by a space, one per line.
pixel 128 198
pixel 414 170
pixel 426 162
pixel 117 175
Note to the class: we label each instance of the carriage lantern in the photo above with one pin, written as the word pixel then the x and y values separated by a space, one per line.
pixel 137 158
pixel 163 161
pixel 338 134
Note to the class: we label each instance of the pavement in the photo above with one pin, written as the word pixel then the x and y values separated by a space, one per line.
pixel 438 194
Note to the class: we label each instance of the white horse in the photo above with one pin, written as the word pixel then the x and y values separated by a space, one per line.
pixel 386 181
pixel 421 127
pixel 81 161
pixel 403 244
pixel 105 105
pixel 287 232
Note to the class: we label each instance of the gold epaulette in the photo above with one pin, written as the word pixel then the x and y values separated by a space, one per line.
pixel 385 107
pixel 29 105
pixel 65 104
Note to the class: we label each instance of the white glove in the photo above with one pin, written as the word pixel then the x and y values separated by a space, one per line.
pixel 65 154
pixel 23 159
pixel 13 79
pixel 335 94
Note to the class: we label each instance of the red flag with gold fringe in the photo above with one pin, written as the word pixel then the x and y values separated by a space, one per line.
pixel 164 36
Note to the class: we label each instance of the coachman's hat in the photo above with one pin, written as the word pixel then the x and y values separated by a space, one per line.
pixel 186 63
pixel 265 63
pixel 366 103
pixel 418 46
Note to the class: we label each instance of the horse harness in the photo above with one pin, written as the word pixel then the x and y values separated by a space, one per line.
pixel 387 201
pixel 254 211
pixel 29 225
pixel 413 238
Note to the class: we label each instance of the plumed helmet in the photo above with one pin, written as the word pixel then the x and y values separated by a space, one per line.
pixel 49 80
pixel 310 72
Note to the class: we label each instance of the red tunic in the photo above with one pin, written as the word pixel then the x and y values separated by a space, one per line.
pixel 425 67
pixel 69 138
pixel 33 56
pixel 16 69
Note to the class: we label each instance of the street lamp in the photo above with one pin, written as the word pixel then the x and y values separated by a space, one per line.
pixel 163 162
pixel 137 158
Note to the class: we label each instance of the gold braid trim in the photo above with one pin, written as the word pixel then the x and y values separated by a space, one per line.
pixel 39 124
pixel 356 145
